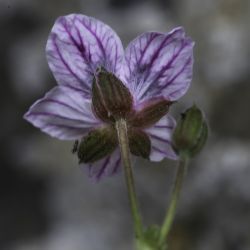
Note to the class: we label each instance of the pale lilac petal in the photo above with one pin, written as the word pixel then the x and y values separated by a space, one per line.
pixel 159 65
pixel 107 166
pixel 78 45
pixel 63 113
pixel 160 137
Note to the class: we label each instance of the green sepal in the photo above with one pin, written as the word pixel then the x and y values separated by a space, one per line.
pixel 97 144
pixel 139 143
pixel 201 140
pixel 151 113
pixel 110 97
pixel 191 132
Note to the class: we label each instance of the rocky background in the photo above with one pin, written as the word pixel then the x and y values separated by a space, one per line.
pixel 47 203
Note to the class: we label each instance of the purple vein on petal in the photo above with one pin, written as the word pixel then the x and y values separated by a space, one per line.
pixel 157 149
pixel 98 176
pixel 60 103
pixel 162 70
pixel 65 63
pixel 79 90
pixel 94 35
pixel 63 126
pixel 157 52
pixel 159 138
pixel 117 164
pixel 169 64
pixel 163 126
pixel 181 71
pixel 81 48
pixel 52 115
pixel 153 36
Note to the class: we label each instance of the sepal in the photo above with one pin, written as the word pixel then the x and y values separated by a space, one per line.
pixel 110 97
pixel 139 143
pixel 151 113
pixel 97 144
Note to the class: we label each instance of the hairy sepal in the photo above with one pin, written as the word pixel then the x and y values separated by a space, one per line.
pixel 111 98
pixel 151 113
pixel 97 144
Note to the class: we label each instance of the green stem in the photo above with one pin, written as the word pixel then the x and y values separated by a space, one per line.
pixel 168 221
pixel 121 128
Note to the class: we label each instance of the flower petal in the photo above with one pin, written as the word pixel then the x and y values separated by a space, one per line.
pixel 160 136
pixel 63 113
pixel 78 45
pixel 107 166
pixel 159 65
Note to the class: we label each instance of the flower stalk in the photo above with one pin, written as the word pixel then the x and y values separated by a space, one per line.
pixel 169 218
pixel 121 128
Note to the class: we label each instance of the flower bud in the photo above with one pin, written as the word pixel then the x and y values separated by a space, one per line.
pixel 191 132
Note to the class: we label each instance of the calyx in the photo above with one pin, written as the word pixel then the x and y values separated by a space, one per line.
pixel 111 101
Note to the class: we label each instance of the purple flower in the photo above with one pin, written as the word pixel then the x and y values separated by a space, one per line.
pixel 153 71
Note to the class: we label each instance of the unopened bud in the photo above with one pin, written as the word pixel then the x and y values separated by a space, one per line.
pixel 191 132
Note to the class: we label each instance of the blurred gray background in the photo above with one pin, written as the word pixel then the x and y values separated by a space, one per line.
pixel 48 203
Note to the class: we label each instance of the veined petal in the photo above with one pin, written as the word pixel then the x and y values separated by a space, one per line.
pixel 63 113
pixel 107 166
pixel 78 45
pixel 160 136
pixel 159 65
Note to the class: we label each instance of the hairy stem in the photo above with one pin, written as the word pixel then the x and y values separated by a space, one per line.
pixel 121 128
pixel 168 221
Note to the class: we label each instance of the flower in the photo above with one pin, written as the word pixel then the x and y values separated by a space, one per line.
pixel 85 56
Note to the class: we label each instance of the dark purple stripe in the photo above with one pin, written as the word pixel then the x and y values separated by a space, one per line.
pixel 159 138
pixel 129 60
pixel 163 69
pixel 158 150
pixel 82 91
pixel 116 57
pixel 182 69
pixel 65 63
pixel 153 36
pixel 98 176
pixel 60 103
pixel 117 164
pixel 169 64
pixel 80 47
pixel 163 126
pixel 94 35
pixel 52 115
pixel 62 126
pixel 157 52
